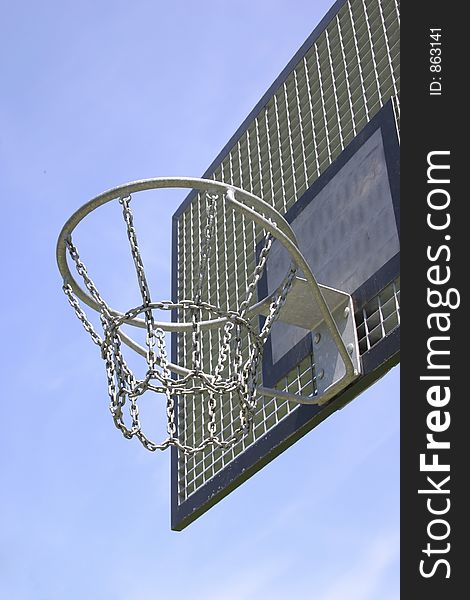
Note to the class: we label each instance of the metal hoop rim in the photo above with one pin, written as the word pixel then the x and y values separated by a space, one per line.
pixel 165 183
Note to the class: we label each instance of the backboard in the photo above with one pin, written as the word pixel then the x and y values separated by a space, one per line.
pixel 322 147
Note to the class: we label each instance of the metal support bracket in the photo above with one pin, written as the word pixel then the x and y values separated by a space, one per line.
pixel 329 366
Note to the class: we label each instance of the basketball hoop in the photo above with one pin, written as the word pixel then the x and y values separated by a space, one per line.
pixel 237 369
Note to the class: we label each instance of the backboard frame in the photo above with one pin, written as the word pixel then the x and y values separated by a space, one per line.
pixel 375 362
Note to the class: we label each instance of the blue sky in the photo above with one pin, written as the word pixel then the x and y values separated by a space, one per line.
pixel 96 94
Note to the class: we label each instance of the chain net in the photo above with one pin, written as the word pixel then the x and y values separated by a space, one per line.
pixel 232 374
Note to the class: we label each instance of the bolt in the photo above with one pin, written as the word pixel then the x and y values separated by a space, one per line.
pixel 350 348
pixel 320 374
pixel 317 338
pixel 346 312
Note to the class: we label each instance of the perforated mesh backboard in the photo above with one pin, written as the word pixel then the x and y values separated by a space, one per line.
pixel 322 147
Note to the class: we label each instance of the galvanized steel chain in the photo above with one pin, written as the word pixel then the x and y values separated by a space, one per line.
pixel 277 304
pixel 74 303
pixel 257 273
pixel 223 353
pixel 122 384
pixel 141 279
pixel 91 287
pixel 196 334
pixel 202 272
pixel 206 243
pixel 232 374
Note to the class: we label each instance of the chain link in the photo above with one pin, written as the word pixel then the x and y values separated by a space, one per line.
pixel 277 304
pixel 142 280
pixel 230 376
pixel 81 314
pixel 263 257
pixel 206 244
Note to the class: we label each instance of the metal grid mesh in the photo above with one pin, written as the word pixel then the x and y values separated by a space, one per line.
pixel 379 317
pixel 341 82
